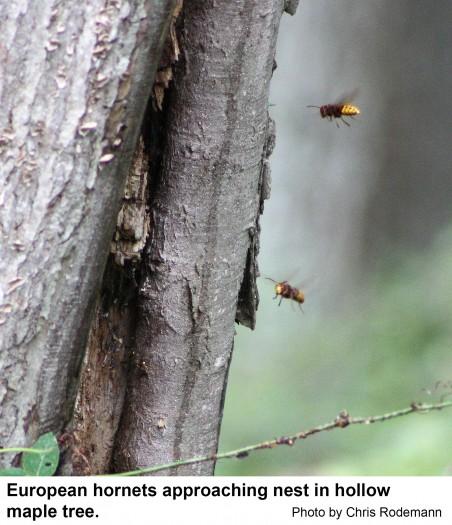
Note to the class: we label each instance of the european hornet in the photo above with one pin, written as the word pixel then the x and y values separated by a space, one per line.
pixel 340 109
pixel 285 291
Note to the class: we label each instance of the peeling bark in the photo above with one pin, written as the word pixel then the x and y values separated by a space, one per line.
pixel 102 388
pixel 74 82
pixel 290 6
pixel 103 378
pixel 132 223
pixel 204 210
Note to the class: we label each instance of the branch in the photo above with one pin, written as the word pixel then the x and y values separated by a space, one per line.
pixel 343 420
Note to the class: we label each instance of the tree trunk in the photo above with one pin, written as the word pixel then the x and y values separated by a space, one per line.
pixel 200 257
pixel 74 81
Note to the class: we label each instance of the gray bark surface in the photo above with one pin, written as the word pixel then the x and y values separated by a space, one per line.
pixel 74 81
pixel 204 224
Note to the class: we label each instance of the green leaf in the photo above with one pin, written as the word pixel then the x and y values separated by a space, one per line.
pixel 12 471
pixel 45 462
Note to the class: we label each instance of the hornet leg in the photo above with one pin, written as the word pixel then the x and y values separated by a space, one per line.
pixel 345 122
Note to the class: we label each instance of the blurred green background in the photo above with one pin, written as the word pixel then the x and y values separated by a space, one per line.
pixel 361 219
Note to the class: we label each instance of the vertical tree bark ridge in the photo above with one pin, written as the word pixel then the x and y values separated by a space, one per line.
pixel 73 88
pixel 204 214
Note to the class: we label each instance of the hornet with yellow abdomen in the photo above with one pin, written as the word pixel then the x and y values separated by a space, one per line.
pixel 339 110
pixel 285 291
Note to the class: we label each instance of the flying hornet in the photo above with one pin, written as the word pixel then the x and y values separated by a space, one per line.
pixel 285 291
pixel 340 109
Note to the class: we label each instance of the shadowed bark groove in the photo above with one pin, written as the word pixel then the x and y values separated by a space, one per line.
pixel 103 376
pixel 74 81
pixel 204 213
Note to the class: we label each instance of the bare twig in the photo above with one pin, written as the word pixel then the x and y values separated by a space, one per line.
pixel 341 421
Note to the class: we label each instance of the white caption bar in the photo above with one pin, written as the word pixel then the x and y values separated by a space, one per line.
pixel 226 500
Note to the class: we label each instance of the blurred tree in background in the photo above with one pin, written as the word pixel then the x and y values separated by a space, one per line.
pixel 359 217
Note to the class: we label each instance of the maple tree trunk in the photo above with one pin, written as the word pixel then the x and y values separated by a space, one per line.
pixel 157 331
pixel 74 81
pixel 199 264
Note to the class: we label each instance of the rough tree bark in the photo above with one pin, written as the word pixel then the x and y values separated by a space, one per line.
pixel 74 81
pixel 200 258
